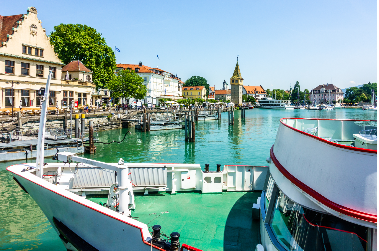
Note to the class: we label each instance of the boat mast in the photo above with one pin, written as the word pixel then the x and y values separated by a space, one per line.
pixel 373 97
pixel 41 132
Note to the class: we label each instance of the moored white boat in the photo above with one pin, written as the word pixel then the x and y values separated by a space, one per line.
pixel 322 189
pixel 270 103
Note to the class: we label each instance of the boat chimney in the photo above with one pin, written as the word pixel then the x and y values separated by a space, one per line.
pixel 218 168
pixel 206 168
pixel 175 241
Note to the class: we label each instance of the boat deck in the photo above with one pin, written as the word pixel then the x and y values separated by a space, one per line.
pixel 205 221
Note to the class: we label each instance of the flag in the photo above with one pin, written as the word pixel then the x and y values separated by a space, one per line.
pixel 157 56
pixel 117 49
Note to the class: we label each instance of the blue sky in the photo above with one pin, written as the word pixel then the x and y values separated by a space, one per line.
pixel 278 42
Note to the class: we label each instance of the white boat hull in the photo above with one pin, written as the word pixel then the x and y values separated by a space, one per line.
pixel 98 226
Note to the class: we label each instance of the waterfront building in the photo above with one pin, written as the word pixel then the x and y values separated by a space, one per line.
pixel 77 85
pixel 223 95
pixel 26 57
pixel 255 91
pixel 236 82
pixel 194 92
pixel 159 83
pixel 326 94
pixel 211 92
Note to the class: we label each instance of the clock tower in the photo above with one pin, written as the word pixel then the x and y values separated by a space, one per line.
pixel 236 83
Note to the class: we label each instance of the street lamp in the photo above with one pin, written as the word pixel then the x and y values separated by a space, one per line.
pixel 12 82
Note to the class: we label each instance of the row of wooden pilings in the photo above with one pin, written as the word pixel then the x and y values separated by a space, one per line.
pixel 145 121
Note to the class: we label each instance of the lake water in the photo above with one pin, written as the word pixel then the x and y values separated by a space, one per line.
pixel 23 226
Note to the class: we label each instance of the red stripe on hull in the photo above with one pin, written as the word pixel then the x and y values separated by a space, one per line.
pixel 334 206
pixel 329 142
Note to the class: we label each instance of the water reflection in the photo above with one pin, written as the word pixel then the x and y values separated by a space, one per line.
pixel 189 153
pixel 23 224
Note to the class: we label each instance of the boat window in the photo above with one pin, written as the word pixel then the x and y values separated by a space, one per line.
pixel 299 228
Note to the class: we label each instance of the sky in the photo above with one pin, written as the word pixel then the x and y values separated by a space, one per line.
pixel 277 42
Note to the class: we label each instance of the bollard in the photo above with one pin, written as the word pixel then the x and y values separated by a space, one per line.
pixel 218 168
pixel 175 241
pixel 206 170
pixel 76 125
pixel 156 233
pixel 83 123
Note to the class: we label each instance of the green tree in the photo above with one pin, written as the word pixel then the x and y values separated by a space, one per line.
pixel 294 95
pixel 197 81
pixel 278 94
pixel 268 92
pixel 286 95
pixel 127 84
pixel 81 42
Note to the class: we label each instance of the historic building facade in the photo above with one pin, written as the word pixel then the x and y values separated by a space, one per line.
pixel 236 83
pixel 223 95
pixel 255 91
pixel 26 57
pixel 326 94
pixel 159 83
pixel 194 92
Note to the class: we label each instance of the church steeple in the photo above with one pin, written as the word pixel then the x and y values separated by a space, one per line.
pixel 236 79
pixel 237 72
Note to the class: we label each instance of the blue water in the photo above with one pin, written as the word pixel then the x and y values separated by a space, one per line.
pixel 23 226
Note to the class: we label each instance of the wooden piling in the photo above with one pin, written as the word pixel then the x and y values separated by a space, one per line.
pixel 91 148
pixel 193 131
pixel 144 122
pixel 185 128
pixel 82 124
pixel 148 122
pixel 76 125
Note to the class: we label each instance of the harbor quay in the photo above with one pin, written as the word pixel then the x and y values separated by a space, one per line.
pixel 70 131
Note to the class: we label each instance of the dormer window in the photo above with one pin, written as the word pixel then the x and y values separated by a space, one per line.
pixel 137 70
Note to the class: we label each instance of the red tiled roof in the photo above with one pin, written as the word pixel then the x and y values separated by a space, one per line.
pixel 132 67
pixel 212 89
pixel 145 69
pixel 75 66
pixel 222 92
pixel 254 89
pixel 188 88
pixel 6 25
